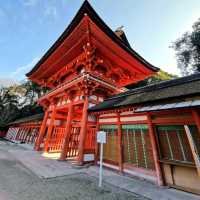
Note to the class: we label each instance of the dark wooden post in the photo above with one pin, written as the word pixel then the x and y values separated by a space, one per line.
pixel 193 147
pixel 155 152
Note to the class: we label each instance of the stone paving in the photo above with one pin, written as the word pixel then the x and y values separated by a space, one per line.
pixel 18 182
pixel 49 168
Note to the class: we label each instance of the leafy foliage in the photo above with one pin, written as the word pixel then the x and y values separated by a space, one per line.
pixel 187 49
pixel 158 77
pixel 8 107
pixel 19 101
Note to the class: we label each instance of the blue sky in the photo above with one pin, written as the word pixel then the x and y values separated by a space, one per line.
pixel 30 27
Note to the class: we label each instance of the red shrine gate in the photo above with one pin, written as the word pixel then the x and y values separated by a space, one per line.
pixel 88 63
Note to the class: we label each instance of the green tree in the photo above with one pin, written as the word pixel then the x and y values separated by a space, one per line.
pixel 19 101
pixel 187 49
pixel 29 92
pixel 33 91
pixel 8 107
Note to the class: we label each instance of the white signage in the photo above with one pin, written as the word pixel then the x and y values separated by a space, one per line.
pixel 101 137
pixel 88 157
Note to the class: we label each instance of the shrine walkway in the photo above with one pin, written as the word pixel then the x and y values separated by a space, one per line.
pixel 26 174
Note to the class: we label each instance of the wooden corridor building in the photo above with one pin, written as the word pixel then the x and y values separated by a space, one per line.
pixel 152 132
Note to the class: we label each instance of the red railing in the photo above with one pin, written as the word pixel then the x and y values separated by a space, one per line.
pixel 26 134
pixel 90 139
pixel 73 142
pixel 57 138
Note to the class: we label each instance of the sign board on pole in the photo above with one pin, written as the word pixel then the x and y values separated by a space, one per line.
pixel 101 138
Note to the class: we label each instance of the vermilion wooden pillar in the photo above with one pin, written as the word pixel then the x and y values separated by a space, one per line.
pixel 41 132
pixel 67 133
pixel 119 128
pixel 83 130
pixel 50 129
pixel 96 144
pixel 155 152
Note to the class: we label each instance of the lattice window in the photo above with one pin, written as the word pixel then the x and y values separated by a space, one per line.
pixel 110 148
pixel 174 144
pixel 137 148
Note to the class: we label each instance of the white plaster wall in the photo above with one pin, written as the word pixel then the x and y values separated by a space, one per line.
pixel 134 118
pixel 127 113
pixel 108 120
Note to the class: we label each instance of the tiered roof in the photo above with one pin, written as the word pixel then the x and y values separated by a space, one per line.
pixel 113 46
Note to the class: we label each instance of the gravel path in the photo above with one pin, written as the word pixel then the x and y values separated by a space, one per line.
pixel 18 183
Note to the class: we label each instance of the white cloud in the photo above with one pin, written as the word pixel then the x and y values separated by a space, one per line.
pixel 20 71
pixel 170 63
pixel 51 10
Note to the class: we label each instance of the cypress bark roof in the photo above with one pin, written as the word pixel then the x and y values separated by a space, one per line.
pixel 181 87
pixel 33 118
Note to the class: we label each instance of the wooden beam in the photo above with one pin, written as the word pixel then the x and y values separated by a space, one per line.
pixel 184 120
pixel 155 152
pixel 60 116
pixel 193 148
pixel 41 132
pixel 83 131
pixel 67 133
